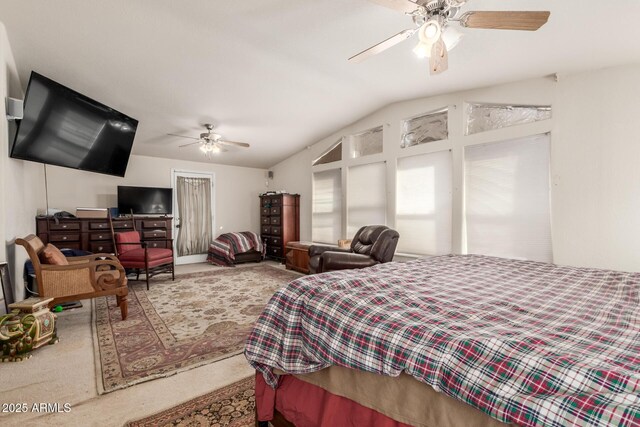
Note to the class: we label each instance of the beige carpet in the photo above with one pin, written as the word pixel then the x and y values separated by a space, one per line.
pixel 231 406
pixel 197 319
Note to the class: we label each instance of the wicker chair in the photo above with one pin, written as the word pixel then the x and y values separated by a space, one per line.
pixel 85 277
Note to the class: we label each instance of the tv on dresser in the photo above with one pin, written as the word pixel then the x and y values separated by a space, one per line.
pixel 144 200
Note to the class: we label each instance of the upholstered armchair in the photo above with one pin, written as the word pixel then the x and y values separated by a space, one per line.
pixel 136 255
pixel 372 244
pixel 75 278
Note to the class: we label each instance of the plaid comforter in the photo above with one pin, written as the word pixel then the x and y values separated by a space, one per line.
pixel 526 342
pixel 224 248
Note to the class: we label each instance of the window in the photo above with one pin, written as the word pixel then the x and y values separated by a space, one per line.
pixel 507 199
pixel 366 143
pixel 427 128
pixel 327 206
pixel 333 154
pixel 366 196
pixel 484 117
pixel 424 203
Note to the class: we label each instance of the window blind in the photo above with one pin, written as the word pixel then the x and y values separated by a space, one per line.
pixel 327 206
pixel 366 196
pixel 424 203
pixel 507 199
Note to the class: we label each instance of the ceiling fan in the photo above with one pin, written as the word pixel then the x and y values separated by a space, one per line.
pixel 434 19
pixel 210 142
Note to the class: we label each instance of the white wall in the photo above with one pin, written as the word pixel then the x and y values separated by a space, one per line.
pixel 595 150
pixel 596 169
pixel 236 190
pixel 19 181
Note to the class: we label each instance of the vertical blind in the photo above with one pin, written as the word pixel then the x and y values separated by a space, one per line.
pixel 507 199
pixel 327 206
pixel 366 196
pixel 424 203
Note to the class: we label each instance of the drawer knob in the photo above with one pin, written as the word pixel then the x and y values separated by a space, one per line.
pixel 100 237
pixel 64 226
pixel 64 238
pixel 100 248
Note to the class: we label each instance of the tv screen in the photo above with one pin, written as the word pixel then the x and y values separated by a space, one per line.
pixel 65 128
pixel 144 200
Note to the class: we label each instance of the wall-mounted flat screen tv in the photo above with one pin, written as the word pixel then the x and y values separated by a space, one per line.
pixel 144 200
pixel 65 128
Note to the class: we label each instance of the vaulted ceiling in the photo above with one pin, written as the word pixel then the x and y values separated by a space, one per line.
pixel 274 73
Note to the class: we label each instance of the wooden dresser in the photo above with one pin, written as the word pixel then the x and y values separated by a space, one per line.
pixel 94 234
pixel 280 222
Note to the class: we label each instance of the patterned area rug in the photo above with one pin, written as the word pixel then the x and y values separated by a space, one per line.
pixel 231 406
pixel 178 325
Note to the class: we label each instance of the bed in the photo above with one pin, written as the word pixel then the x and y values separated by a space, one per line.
pixel 229 249
pixel 519 342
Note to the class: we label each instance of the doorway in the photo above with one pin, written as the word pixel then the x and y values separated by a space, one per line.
pixel 193 207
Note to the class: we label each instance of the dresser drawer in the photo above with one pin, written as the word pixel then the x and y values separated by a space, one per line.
pixel 97 247
pixel 154 234
pixel 154 224
pixel 64 237
pixel 123 225
pixel 275 220
pixel 275 210
pixel 99 226
pixel 276 201
pixel 100 236
pixel 265 229
pixel 265 211
pixel 63 226
pixel 275 252
pixel 265 220
pixel 158 244
pixel 274 242
pixel 276 231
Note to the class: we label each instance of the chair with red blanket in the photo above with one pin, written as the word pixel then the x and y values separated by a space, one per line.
pixel 134 254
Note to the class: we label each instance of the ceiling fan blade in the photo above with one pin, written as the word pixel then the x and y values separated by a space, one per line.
pixel 224 150
pixel 404 6
pixel 504 20
pixel 382 46
pixel 238 144
pixel 439 59
pixel 191 143
pixel 182 136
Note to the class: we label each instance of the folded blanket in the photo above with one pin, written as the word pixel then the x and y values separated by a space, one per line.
pixel 224 248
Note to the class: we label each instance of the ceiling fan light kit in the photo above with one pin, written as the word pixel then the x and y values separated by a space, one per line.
pixel 211 143
pixel 434 20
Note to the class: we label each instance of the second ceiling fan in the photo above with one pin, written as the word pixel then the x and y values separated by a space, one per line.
pixel 434 19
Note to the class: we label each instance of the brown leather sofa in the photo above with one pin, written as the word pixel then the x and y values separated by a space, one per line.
pixel 372 244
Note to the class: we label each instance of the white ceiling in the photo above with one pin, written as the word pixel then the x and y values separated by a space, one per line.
pixel 274 73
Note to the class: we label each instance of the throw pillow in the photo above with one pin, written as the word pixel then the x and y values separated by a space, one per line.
pixel 52 255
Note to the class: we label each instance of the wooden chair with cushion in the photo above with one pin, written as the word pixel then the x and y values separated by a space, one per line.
pixel 75 278
pixel 136 255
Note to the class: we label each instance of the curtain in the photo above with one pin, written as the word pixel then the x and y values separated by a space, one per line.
pixel 327 206
pixel 366 207
pixel 194 210
pixel 424 203
pixel 507 199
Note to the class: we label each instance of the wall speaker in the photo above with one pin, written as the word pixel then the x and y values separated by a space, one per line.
pixel 270 174
pixel 14 108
